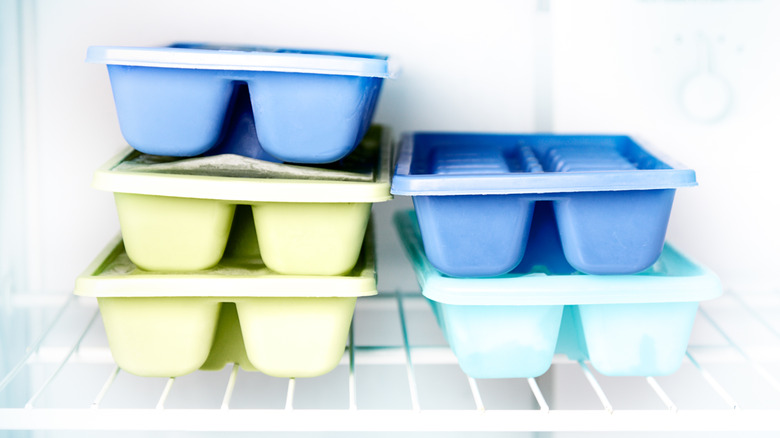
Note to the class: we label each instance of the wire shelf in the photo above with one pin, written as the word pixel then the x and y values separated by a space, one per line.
pixel 397 374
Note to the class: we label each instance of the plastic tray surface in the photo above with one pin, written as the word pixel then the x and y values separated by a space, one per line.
pixel 512 325
pixel 475 196
pixel 177 214
pixel 305 106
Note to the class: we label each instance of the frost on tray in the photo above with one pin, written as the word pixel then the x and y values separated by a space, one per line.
pixel 229 165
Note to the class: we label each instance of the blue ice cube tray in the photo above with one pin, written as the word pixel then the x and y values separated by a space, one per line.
pixel 308 106
pixel 511 326
pixel 475 195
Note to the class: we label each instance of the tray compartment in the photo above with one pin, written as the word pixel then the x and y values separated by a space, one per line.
pixel 295 337
pixel 310 238
pixel 164 233
pixel 160 336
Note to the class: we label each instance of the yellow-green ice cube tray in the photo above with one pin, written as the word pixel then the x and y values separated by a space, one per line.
pixel 176 214
pixel 167 324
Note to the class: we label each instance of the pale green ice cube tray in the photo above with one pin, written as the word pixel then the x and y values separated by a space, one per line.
pixel 166 324
pixel 176 214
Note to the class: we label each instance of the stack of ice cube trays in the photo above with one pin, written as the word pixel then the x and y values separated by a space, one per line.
pixel 244 206
pixel 528 245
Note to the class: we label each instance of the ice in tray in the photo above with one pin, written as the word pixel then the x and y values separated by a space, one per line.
pixel 171 324
pixel 512 325
pixel 177 214
pixel 309 106
pixel 475 195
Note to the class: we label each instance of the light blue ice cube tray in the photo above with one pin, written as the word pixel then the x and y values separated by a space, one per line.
pixel 512 325
pixel 308 106
pixel 475 195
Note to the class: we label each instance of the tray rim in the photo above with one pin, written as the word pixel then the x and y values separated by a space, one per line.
pixel 406 183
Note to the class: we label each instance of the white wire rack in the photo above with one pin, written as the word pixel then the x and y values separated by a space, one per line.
pixel 397 374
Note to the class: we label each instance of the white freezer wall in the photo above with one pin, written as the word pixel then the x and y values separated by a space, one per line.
pixel 699 80
pixel 519 66
pixel 465 66
pixel 515 66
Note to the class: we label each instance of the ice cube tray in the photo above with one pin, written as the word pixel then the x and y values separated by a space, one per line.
pixel 170 324
pixel 176 215
pixel 309 106
pixel 475 194
pixel 509 326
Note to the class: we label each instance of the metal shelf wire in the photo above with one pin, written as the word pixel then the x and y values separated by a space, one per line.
pixel 729 381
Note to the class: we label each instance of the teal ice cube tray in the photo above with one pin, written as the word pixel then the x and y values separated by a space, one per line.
pixel 513 324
